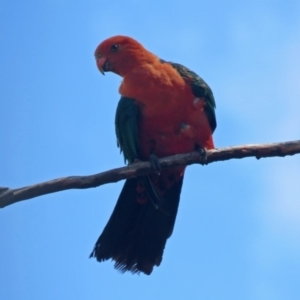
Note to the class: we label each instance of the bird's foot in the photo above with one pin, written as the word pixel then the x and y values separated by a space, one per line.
pixel 154 162
pixel 203 152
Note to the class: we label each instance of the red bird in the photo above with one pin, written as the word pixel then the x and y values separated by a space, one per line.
pixel 165 109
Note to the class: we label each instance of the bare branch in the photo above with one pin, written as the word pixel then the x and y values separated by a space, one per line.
pixel 9 196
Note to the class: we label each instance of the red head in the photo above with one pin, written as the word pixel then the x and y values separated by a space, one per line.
pixel 120 54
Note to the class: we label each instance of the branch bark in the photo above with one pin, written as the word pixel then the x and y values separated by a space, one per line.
pixel 9 196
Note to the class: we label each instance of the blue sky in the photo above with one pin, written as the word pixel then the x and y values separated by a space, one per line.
pixel 237 234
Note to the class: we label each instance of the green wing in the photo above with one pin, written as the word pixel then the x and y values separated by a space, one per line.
pixel 127 121
pixel 199 89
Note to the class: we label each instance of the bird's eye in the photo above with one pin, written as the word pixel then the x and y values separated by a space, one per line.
pixel 114 48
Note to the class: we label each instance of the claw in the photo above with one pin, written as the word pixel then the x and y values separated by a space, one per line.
pixel 203 153
pixel 154 162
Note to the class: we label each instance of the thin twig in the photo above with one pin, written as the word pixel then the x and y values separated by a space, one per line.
pixel 9 196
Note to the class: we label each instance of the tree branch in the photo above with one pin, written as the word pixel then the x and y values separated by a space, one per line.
pixel 9 196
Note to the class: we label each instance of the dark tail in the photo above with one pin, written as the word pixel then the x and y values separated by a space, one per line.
pixel 137 231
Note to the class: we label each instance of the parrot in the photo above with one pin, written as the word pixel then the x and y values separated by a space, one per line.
pixel 164 109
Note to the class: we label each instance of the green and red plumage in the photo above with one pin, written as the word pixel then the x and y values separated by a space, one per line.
pixel 165 109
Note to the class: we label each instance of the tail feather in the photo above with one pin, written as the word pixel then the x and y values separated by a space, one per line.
pixel 136 233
